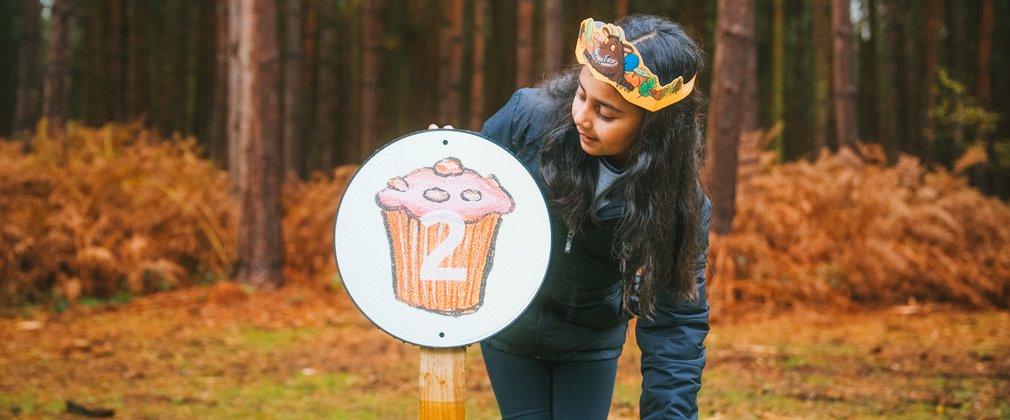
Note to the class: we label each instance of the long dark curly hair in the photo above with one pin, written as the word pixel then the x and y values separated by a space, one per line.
pixel 657 235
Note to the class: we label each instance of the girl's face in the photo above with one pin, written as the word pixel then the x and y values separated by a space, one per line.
pixel 607 123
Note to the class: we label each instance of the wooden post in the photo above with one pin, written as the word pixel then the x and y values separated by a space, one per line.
pixel 443 384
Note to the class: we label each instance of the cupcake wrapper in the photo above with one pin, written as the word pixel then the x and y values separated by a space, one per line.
pixel 411 242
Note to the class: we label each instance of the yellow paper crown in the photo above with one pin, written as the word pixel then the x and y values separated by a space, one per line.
pixel 612 59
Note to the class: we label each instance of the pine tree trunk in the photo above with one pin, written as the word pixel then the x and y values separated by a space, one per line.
pixel 733 70
pixel 219 138
pixel 351 73
pixel 930 62
pixel 163 70
pixel 325 132
pixel 846 125
pixel 778 72
pixel 310 48
pixel 94 67
pixel 191 75
pixel 524 44
pixel 621 8
pixel 892 93
pixel 957 59
pixel 260 244
pixel 986 176
pixel 292 86
pixel 797 85
pixel 451 60
pixel 138 71
pixel 983 69
pixel 822 115
pixel 116 67
pixel 909 77
pixel 869 57
pixel 236 166
pixel 477 64
pixel 56 96
pixel 371 77
pixel 554 39
pixel 29 94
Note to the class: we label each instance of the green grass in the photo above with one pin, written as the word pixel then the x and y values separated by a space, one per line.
pixel 292 356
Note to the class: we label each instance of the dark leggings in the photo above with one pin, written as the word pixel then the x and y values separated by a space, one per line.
pixel 535 389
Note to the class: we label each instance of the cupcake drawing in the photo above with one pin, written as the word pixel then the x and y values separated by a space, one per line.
pixel 442 222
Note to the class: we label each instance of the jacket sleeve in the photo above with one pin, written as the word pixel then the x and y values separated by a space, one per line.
pixel 673 346
pixel 500 126
pixel 520 123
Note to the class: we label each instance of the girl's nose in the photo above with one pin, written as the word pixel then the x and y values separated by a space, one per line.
pixel 581 119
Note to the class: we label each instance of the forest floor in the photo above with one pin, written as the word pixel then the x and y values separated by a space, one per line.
pixel 222 352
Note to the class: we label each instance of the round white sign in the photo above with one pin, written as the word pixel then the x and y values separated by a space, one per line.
pixel 442 238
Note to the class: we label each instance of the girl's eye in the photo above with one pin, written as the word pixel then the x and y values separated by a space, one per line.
pixel 606 118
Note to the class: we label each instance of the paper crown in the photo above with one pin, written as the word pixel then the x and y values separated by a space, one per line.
pixel 612 59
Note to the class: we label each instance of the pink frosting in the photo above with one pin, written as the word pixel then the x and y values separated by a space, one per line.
pixel 446 185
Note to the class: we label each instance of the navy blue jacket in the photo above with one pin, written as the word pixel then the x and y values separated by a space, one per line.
pixel 577 315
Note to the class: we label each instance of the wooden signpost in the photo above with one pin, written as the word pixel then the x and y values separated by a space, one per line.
pixel 442 239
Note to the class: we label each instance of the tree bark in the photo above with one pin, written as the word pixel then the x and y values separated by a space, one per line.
pixel 260 245
pixel 29 94
pixel 94 66
pixel 325 132
pixel 733 71
pixel 778 72
pixel 450 53
pixel 892 105
pixel 909 76
pixel 868 68
pixel 310 48
pixel 116 57
pixel 846 125
pixel 621 8
pixel 796 134
pixel 477 63
pixel 138 70
pixel 292 86
pixel 371 75
pixel 554 39
pixel 524 44
pixel 219 136
pixel 983 69
pixel 56 96
pixel 930 62
pixel 236 165
pixel 822 46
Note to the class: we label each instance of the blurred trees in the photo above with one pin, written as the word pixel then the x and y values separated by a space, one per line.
pixel 733 112
pixel 55 98
pixel 359 73
pixel 29 87
pixel 260 245
pixel 843 80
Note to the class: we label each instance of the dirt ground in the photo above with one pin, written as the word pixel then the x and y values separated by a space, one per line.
pixel 223 352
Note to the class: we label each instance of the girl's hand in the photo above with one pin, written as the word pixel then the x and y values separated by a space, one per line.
pixel 435 127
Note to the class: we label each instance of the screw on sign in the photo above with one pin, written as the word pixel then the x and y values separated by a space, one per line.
pixel 442 239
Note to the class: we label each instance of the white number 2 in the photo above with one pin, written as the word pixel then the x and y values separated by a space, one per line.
pixel 430 269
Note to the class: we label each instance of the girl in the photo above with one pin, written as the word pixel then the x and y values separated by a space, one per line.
pixel 615 143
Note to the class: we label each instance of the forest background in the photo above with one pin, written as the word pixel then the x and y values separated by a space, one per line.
pixel 858 157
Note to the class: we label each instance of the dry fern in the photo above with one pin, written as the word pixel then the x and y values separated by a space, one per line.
pixel 127 211
pixel 841 230
pixel 131 211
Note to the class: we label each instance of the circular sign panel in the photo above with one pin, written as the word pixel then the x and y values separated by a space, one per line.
pixel 442 238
